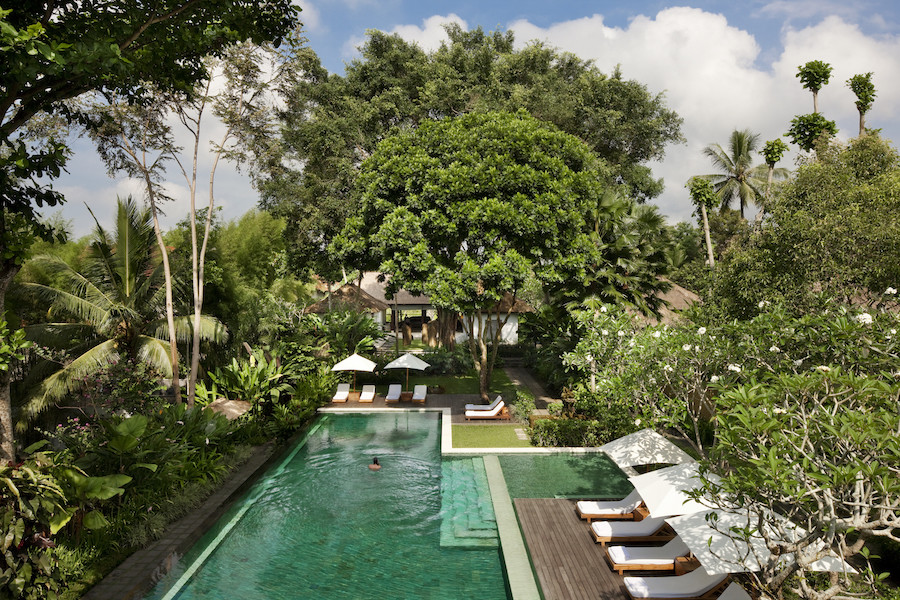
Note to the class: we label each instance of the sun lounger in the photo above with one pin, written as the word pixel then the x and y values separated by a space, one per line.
pixel 490 406
pixel 626 508
pixel 498 412
pixel 342 393
pixel 647 558
pixel 367 394
pixel 648 530
pixel 393 394
pixel 734 591
pixel 419 393
pixel 697 585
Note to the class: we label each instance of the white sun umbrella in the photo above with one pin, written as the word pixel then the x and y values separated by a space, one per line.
pixel 665 491
pixel 355 363
pixel 644 447
pixel 408 361
pixel 712 538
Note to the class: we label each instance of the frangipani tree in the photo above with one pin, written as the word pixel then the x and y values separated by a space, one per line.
pixel 115 306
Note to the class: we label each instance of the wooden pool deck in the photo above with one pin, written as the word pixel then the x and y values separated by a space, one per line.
pixel 569 565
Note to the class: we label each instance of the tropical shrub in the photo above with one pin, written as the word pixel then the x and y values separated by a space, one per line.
pixel 260 380
pixel 127 385
pixel 443 361
pixel 33 509
pixel 347 331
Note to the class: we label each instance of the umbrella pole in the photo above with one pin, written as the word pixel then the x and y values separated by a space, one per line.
pixel 407 380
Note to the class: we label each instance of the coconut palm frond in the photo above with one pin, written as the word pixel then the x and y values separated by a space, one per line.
pixel 155 352
pixel 58 335
pixel 70 378
pixel 80 308
pixel 211 329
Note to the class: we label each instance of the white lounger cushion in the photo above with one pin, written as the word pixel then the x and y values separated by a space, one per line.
pixel 393 392
pixel 343 391
pixel 419 392
pixel 368 392
pixel 734 591
pixel 695 583
pixel 649 555
pixel 614 507
pixel 627 528
pixel 486 413
pixel 490 406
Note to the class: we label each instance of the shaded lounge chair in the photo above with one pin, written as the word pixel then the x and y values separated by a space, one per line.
pixel 342 393
pixel 696 585
pixel 649 558
pixel 649 530
pixel 420 392
pixel 625 508
pixel 490 406
pixel 393 394
pixel 734 591
pixel 498 412
pixel 367 394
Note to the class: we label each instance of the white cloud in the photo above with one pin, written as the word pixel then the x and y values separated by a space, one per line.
pixel 310 16
pixel 431 34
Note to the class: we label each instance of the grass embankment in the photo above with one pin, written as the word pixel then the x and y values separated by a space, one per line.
pixel 488 436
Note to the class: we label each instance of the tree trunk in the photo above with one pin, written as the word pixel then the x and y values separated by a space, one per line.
pixel 8 270
pixel 446 328
pixel 815 101
pixel 862 123
pixel 170 308
pixel 709 248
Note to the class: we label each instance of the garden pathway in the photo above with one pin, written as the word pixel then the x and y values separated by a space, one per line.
pixel 522 377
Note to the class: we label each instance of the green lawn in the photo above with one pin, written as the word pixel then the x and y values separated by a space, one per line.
pixel 465 384
pixel 488 436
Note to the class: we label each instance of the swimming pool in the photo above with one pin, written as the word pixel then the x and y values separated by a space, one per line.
pixel 564 475
pixel 322 525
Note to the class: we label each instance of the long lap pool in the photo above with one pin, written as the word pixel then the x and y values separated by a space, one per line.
pixel 322 525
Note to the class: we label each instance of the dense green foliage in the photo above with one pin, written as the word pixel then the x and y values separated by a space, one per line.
pixel 832 228
pixel 332 122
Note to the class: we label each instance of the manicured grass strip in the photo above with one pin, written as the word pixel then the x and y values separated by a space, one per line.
pixel 465 384
pixel 488 436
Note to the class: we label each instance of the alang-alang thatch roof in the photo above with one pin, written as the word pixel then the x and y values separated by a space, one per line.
pixel 350 296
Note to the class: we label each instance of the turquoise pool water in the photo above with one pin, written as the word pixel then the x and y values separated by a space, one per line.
pixel 322 525
pixel 563 476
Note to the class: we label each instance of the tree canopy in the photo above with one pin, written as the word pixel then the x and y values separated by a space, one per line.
pixel 467 209
pixel 332 122
pixel 832 228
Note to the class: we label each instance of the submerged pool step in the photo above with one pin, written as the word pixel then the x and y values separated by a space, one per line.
pixel 466 509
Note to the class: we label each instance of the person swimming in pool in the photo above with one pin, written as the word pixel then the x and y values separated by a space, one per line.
pixel 375 464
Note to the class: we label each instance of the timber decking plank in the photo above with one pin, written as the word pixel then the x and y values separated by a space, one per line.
pixel 569 565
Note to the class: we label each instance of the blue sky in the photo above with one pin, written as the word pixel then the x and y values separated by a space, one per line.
pixel 722 65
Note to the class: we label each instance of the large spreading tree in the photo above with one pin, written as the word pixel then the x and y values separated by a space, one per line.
pixel 331 123
pixel 467 210
pixel 55 51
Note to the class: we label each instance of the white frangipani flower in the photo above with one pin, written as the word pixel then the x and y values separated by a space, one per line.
pixel 656 334
pixel 734 368
pixel 864 318
pixel 714 379
pixel 891 291
pixel 775 349
pixel 701 331
pixel 686 347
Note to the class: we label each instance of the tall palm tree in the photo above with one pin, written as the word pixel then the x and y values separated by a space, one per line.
pixel 115 308
pixel 737 178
